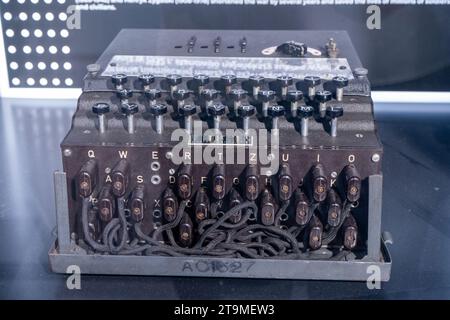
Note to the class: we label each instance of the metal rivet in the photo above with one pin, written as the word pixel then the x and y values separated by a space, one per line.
pixel 376 157
pixel 359 135
pixel 67 152
pixel 334 174
pixel 169 155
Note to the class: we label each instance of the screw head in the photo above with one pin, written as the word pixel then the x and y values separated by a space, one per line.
pixel 67 152
pixel 376 157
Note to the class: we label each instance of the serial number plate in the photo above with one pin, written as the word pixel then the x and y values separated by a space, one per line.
pixel 241 67
pixel 216 267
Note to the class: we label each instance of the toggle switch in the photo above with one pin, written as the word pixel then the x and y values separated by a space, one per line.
pixel 216 111
pixel 201 205
pixel 350 232
pixel 187 111
pixel 152 95
pixel 256 82
pixel 235 200
pixel 246 111
pixel 137 203
pixel 200 81
pixel 352 183
pixel 173 80
pixel 237 95
pixel 334 208
pixel 305 113
pixel 124 95
pixel 180 95
pixel 209 95
pixel 275 112
pixel 251 183
pixel 319 182
pixel 158 111
pixel 129 109
pixel 294 97
pixel 228 80
pixel 284 82
pixel 87 178
pixel 265 97
pixel 301 208
pixel 285 183
pixel 184 182
pixel 119 80
pixel 334 112
pixel 315 233
pixel 322 97
pixel 170 205
pixel 218 182
pixel 146 80
pixel 340 82
pixel 312 82
pixel 268 208
pixel 120 178
pixel 186 230
pixel 106 203
pixel 100 109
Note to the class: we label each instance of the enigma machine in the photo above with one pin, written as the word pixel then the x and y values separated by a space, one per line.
pixel 223 153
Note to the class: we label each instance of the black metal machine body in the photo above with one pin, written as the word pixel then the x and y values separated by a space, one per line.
pixel 279 146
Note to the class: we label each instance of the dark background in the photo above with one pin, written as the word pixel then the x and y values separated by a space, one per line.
pixel 410 52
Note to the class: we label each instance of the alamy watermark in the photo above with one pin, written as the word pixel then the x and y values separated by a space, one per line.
pixel 236 146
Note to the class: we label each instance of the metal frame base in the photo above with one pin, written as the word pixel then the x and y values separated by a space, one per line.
pixel 64 253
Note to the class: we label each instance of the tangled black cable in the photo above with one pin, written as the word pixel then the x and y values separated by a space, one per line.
pixel 217 236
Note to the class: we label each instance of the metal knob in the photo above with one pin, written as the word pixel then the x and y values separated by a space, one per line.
pixel 334 113
pixel 305 113
pixel 129 109
pixel 100 109
pixel 294 97
pixel 158 111
pixel 312 82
